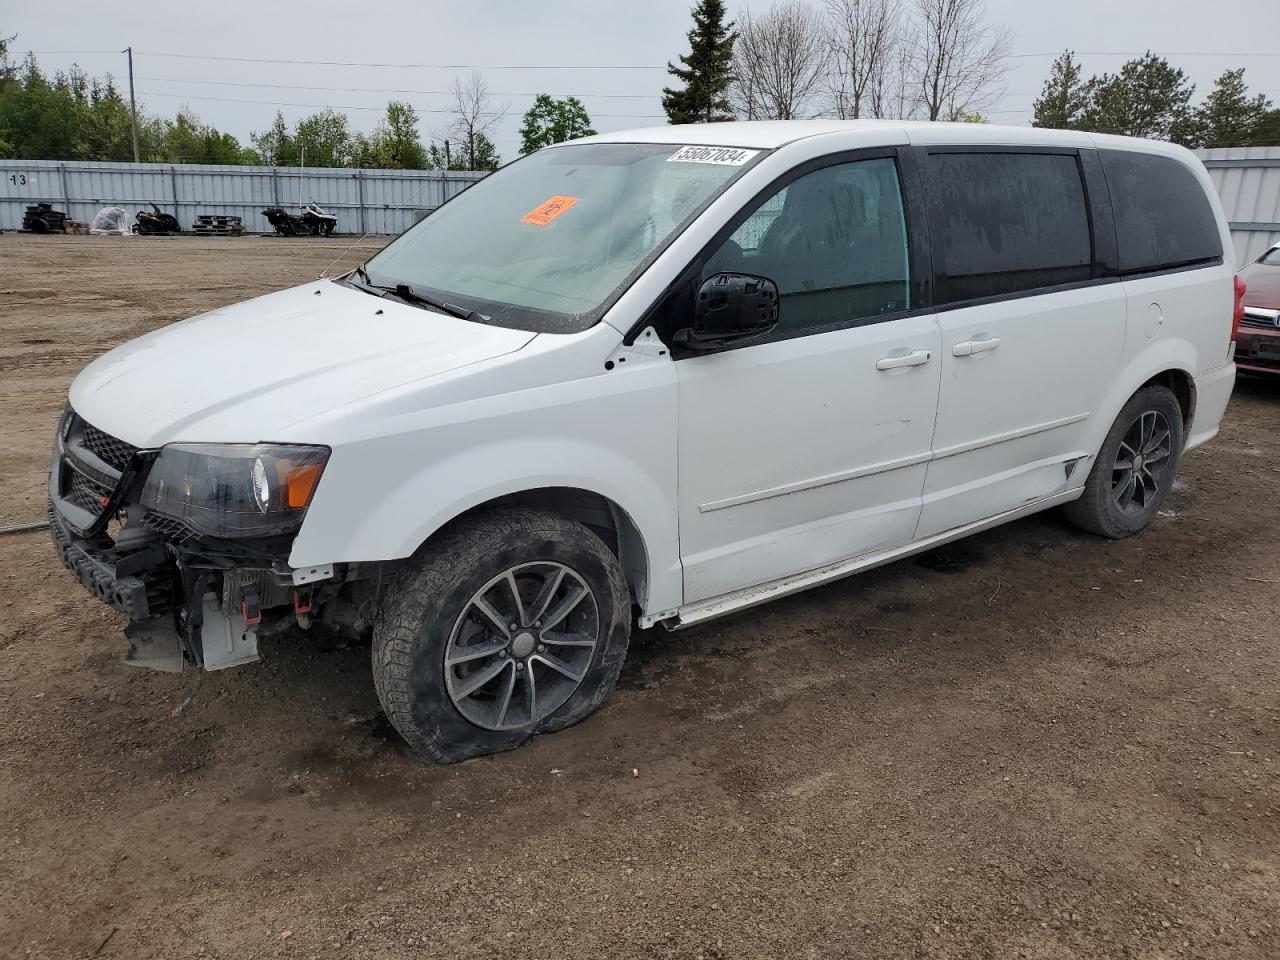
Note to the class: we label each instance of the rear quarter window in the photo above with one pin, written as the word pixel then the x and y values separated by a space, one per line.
pixel 1010 223
pixel 1163 218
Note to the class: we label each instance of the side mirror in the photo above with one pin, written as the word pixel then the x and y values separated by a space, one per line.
pixel 730 307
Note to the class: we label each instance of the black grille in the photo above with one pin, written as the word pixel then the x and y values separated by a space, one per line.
pixel 105 447
pixel 85 493
pixel 174 531
pixel 90 465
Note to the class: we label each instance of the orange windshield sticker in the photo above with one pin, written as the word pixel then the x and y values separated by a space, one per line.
pixel 544 213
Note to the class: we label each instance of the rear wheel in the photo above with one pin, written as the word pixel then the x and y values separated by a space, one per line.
pixel 512 624
pixel 1135 468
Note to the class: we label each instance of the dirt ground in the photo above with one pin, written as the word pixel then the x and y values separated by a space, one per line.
pixel 1030 744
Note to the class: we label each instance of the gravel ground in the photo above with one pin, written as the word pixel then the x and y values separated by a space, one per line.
pixel 1029 744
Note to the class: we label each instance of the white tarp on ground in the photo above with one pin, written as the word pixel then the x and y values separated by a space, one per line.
pixel 110 222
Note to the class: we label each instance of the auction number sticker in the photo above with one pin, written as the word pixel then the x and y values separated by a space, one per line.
pixel 544 213
pixel 725 156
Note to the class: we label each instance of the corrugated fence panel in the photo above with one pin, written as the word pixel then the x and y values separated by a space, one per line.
pixel 1248 183
pixel 390 201
pixel 375 201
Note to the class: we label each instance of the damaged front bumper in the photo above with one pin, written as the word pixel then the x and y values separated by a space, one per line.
pixel 178 615
pixel 189 600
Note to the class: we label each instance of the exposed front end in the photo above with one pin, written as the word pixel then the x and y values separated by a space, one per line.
pixel 190 541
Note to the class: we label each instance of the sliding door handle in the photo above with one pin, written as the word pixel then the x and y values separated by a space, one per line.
pixel 912 359
pixel 967 348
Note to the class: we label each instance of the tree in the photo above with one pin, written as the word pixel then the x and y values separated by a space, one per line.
pixel 276 146
pixel 473 118
pixel 551 121
pixel 1229 117
pixel 1147 98
pixel 486 156
pixel 77 117
pixel 865 36
pixel 957 59
pixel 324 140
pixel 109 135
pixel 394 143
pixel 1064 96
pixel 6 65
pixel 1267 133
pixel 779 62
pixel 707 70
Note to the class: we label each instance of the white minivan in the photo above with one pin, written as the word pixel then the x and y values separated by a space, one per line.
pixel 653 376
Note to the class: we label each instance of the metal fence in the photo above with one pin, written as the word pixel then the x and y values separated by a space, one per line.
pixel 364 201
pixel 390 201
pixel 1248 183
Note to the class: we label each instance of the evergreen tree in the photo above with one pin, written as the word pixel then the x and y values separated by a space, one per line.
pixel 707 71
pixel 1229 117
pixel 551 121
pixel 484 155
pixel 1064 96
pixel 1267 133
pixel 1147 98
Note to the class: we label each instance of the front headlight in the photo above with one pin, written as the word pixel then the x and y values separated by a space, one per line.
pixel 234 489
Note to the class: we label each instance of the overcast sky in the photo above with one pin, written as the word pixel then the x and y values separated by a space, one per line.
pixel 589 44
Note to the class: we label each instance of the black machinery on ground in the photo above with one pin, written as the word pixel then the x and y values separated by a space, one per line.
pixel 42 218
pixel 153 222
pixel 311 221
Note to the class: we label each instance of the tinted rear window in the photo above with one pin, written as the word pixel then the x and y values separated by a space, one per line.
pixel 1163 218
pixel 1011 222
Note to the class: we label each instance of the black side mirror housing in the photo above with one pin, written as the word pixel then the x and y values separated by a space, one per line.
pixel 730 307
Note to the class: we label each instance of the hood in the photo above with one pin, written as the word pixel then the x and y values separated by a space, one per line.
pixel 247 372
pixel 1261 285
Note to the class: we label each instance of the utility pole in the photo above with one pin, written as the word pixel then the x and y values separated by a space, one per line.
pixel 133 105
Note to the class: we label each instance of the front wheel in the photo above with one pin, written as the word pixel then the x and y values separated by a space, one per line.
pixel 1135 468
pixel 511 624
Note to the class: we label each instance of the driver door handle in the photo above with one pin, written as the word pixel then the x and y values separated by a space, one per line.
pixel 913 359
pixel 967 348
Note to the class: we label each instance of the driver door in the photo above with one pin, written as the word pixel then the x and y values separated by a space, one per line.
pixel 808 446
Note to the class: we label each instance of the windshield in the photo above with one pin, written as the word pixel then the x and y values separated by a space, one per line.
pixel 1271 258
pixel 546 243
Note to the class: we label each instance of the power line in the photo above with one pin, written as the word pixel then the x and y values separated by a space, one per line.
pixel 427 66
pixel 590 66
pixel 1140 53
pixel 334 106
pixel 349 89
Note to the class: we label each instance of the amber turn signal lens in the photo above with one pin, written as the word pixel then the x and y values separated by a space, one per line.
pixel 301 483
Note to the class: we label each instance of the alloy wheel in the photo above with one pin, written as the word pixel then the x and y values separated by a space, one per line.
pixel 1142 463
pixel 522 646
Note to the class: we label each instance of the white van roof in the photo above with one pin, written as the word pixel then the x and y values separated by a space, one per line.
pixel 768 134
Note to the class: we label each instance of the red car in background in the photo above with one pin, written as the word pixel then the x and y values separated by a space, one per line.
pixel 1258 341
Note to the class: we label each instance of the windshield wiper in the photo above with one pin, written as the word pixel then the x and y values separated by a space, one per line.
pixel 410 295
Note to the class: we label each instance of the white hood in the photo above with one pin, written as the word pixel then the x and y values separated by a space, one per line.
pixel 247 372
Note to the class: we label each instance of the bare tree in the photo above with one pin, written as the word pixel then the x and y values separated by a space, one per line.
pixel 473 117
pixel 958 59
pixel 894 95
pixel 779 62
pixel 866 36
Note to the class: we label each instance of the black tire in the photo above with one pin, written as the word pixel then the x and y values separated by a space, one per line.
pixel 433 600
pixel 1102 509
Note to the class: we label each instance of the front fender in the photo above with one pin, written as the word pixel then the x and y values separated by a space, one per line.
pixel 383 496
